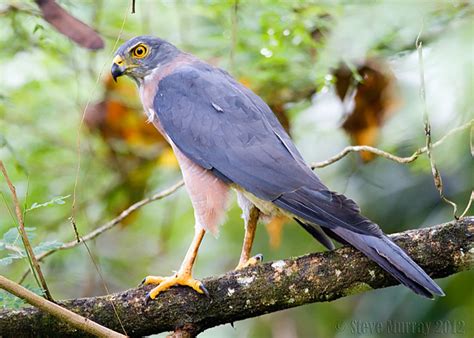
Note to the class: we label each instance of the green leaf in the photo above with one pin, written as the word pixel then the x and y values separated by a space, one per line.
pixel 46 246
pixel 6 261
pixel 10 258
pixel 12 242
pixel 9 301
pixel 35 289
pixel 57 200
pixel 12 236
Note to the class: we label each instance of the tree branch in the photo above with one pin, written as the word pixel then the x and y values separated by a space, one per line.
pixel 403 160
pixel 24 237
pixel 110 224
pixel 441 250
pixel 55 310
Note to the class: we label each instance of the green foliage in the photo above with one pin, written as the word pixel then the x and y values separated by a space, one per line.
pixel 12 243
pixel 9 301
pixel 56 200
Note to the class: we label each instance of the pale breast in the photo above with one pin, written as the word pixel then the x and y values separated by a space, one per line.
pixel 209 195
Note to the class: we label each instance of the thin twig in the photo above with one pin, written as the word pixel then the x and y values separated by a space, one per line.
pixel 112 223
pixel 387 155
pixel 79 129
pixel 434 170
pixel 66 315
pixel 106 288
pixel 79 239
pixel 24 237
pixel 468 206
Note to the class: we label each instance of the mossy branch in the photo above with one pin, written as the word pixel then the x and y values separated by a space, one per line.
pixel 441 250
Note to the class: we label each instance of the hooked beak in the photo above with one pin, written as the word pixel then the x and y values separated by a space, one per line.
pixel 118 67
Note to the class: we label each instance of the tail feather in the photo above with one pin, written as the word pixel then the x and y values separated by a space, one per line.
pixel 393 260
pixel 341 218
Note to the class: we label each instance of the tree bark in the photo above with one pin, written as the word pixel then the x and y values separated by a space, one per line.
pixel 441 251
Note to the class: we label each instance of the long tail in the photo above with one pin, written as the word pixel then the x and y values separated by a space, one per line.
pixel 342 218
pixel 393 260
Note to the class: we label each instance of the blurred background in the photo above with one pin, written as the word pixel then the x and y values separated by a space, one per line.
pixel 335 73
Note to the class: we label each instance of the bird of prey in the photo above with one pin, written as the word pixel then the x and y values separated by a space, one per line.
pixel 226 138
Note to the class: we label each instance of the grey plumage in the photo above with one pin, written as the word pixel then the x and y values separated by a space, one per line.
pixel 224 127
pixel 246 145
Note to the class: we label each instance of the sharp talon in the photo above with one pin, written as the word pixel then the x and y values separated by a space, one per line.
pixel 204 290
pixel 143 282
pixel 147 299
pixel 250 262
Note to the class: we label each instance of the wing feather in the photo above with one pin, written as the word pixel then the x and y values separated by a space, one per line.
pixel 240 140
pixel 224 127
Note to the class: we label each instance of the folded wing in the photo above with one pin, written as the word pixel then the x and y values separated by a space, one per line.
pixel 226 128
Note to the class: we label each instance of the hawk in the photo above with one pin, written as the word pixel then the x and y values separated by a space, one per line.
pixel 226 138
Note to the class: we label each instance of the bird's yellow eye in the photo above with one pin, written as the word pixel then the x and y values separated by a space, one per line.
pixel 140 51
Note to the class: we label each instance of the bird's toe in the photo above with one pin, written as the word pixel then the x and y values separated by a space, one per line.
pixel 251 261
pixel 164 283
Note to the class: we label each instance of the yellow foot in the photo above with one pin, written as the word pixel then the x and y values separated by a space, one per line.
pixel 164 283
pixel 252 261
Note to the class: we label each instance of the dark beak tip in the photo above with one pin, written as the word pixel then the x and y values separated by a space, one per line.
pixel 116 71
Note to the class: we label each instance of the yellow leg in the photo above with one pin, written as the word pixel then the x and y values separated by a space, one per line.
pixel 250 228
pixel 184 274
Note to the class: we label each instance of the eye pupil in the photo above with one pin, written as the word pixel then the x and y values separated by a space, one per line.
pixel 140 51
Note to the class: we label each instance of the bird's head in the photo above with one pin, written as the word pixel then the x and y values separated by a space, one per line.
pixel 139 56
